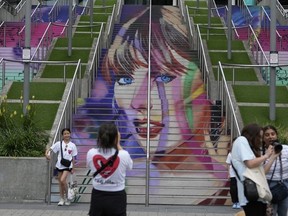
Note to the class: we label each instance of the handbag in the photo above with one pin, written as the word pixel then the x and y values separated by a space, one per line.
pixel 72 188
pixel 250 190
pixel 255 184
pixel 257 175
pixel 279 191
pixel 64 161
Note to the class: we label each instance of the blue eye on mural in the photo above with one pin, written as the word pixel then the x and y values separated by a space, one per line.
pixel 125 80
pixel 164 78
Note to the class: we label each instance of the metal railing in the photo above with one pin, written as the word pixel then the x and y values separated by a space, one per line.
pixel 266 25
pixel 34 24
pixel 3 73
pixel 95 62
pixel 203 61
pixel 2 26
pixel 245 11
pixel 20 5
pixel 86 9
pixel 236 31
pixel 119 6
pixel 10 8
pixel 65 119
pixel 54 12
pixel 190 28
pixel 110 25
pixel 11 13
pixel 258 53
pixel 281 9
pixel 42 49
pixel 227 105
pixel 183 10
pixel 235 35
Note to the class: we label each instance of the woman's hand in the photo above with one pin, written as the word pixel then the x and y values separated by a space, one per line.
pixel 269 152
pixel 47 154
pixel 119 147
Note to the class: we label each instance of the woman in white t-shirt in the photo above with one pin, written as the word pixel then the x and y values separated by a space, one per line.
pixel 108 194
pixel 246 152
pixel 69 151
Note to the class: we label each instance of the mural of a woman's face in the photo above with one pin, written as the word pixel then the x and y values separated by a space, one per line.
pixel 164 107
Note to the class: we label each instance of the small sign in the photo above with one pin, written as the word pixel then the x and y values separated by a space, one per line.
pixel 26 55
pixel 274 58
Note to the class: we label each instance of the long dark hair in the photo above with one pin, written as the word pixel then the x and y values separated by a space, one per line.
pixel 252 132
pixel 107 136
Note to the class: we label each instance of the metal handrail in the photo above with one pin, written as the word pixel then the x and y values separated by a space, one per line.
pixel 95 60
pixel 189 26
pixel 85 8
pixel 148 155
pixel 53 13
pixel 266 27
pixel 227 104
pixel 119 8
pixel 69 108
pixel 20 5
pixel 254 43
pixel 233 24
pixel 2 5
pixel 110 25
pixel 245 10
pixel 203 60
pixel 281 9
pixel 37 50
pixel 32 14
pixel 216 8
pixel 235 29
pixel 182 6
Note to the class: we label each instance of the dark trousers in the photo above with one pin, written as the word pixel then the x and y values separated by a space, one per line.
pixel 105 203
pixel 233 190
pixel 255 209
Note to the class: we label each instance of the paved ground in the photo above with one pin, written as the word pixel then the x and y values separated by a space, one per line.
pixel 40 209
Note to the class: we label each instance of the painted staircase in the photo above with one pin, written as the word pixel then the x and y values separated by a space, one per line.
pixel 186 150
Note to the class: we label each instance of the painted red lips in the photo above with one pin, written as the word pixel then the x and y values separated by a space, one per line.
pixel 141 128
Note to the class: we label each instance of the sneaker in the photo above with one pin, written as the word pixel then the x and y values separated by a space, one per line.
pixel 61 202
pixel 67 202
pixel 238 206
pixel 234 206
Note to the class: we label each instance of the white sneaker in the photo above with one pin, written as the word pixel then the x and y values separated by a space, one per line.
pixel 61 202
pixel 67 202
pixel 234 206
pixel 238 206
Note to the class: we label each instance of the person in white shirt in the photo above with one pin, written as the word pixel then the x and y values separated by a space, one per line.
pixel 108 193
pixel 233 182
pixel 246 152
pixel 274 165
pixel 69 151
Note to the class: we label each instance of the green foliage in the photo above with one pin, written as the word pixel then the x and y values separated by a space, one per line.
pixel 260 115
pixel 282 134
pixel 20 136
